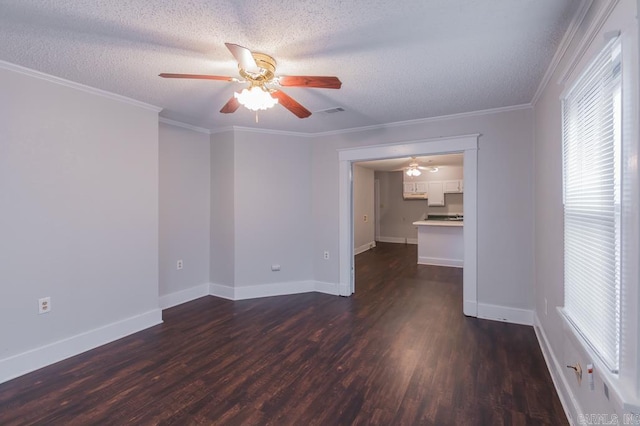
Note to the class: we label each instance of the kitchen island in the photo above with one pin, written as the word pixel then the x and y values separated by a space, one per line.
pixel 440 242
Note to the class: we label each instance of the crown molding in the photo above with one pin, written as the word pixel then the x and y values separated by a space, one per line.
pixel 184 125
pixel 261 131
pixel 375 126
pixel 72 84
pixel 424 120
pixel 272 132
pixel 590 35
pixel 224 129
pixel 576 21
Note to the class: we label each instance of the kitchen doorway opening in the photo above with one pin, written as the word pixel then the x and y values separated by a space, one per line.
pixel 468 146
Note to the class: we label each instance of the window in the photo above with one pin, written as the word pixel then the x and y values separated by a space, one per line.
pixel 591 136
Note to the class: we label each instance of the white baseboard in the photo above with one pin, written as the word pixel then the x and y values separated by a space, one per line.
pixel 42 356
pixel 223 291
pixel 364 248
pixel 179 297
pixel 327 288
pixel 275 289
pixel 247 292
pixel 398 240
pixel 268 290
pixel 567 399
pixel 437 261
pixel 505 314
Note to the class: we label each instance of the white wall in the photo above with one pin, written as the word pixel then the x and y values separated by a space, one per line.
pixel 184 208
pixel 273 219
pixel 549 281
pixel 78 221
pixel 222 222
pixel 363 205
pixel 505 200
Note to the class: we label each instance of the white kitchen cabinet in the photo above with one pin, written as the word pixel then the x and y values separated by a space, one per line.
pixel 409 187
pixel 436 193
pixel 452 186
pixel 414 190
pixel 421 187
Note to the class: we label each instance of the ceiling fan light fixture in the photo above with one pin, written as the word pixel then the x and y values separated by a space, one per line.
pixel 256 98
pixel 413 171
pixel 259 70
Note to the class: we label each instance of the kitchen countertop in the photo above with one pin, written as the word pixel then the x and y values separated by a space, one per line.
pixel 438 223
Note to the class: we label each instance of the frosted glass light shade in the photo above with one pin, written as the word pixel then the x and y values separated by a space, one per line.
pixel 255 99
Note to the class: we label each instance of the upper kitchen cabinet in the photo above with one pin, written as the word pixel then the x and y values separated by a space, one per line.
pixel 421 187
pixel 436 193
pixel 408 188
pixel 414 190
pixel 453 186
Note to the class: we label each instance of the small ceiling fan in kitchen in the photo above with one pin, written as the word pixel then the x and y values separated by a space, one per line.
pixel 263 92
pixel 413 167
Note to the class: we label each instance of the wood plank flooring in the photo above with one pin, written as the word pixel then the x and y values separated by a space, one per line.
pixel 398 352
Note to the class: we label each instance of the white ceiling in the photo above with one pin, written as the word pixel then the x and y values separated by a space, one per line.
pixel 398 60
pixel 393 164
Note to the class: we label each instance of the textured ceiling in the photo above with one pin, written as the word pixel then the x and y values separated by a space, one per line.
pixel 398 60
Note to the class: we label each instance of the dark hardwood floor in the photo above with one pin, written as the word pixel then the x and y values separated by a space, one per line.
pixel 398 352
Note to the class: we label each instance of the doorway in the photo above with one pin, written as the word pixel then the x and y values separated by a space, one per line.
pixel 466 144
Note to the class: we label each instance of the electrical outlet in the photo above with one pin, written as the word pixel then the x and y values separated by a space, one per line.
pixel 179 264
pixel 275 267
pixel 44 305
pixel 365 218
pixel 326 255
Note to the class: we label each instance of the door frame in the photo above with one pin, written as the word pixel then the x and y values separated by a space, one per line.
pixel 376 209
pixel 468 145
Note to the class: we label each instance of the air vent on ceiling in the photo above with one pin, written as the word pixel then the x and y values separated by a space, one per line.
pixel 331 110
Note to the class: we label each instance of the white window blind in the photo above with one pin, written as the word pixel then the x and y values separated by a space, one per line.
pixel 591 115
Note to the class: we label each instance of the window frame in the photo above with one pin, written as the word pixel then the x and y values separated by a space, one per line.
pixel 624 386
pixel 603 69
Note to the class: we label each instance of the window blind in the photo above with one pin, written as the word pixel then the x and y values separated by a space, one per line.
pixel 591 126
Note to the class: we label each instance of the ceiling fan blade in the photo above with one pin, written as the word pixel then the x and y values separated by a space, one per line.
pixel 310 81
pixel 197 76
pixel 291 104
pixel 244 57
pixel 231 106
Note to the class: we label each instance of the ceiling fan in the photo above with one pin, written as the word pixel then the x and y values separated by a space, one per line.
pixel 259 70
pixel 413 167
